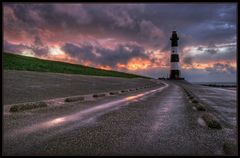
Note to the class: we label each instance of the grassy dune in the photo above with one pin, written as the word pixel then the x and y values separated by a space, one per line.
pixel 19 62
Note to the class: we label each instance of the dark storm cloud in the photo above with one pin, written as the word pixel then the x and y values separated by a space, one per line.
pixel 121 54
pixel 30 19
pixel 82 52
pixel 22 13
pixel 204 22
pixel 24 19
pixel 104 56
pixel 120 17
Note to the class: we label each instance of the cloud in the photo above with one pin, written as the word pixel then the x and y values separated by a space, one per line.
pixel 38 41
pixel 39 51
pixel 120 18
pixel 219 68
pixel 151 33
pixel 208 53
pixel 76 11
pixel 200 49
pixel 34 50
pixel 81 52
pixel 99 55
pixel 212 49
pixel 187 60
pixel 13 48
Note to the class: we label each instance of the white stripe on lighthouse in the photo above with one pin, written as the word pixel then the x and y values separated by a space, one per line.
pixel 174 50
pixel 174 65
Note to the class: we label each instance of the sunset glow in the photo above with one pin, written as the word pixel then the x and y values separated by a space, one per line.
pixel 137 63
pixel 55 51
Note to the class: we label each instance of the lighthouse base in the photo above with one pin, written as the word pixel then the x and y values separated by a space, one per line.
pixel 175 75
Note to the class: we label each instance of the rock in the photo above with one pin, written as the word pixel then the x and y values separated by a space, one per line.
pixel 211 121
pixel 72 99
pixel 27 106
pixel 99 95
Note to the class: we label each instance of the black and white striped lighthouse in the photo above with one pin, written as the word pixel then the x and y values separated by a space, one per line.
pixel 174 72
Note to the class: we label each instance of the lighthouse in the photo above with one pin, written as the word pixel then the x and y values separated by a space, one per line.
pixel 174 72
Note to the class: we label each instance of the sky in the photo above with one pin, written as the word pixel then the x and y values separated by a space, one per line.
pixel 133 38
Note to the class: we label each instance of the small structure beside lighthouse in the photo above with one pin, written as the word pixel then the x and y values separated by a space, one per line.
pixel 174 71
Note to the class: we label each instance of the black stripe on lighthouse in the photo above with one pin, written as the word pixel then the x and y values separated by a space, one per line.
pixel 174 58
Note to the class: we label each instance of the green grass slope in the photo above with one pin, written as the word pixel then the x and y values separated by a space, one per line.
pixel 19 62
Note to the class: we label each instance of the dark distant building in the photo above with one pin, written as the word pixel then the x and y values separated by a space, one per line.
pixel 174 72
